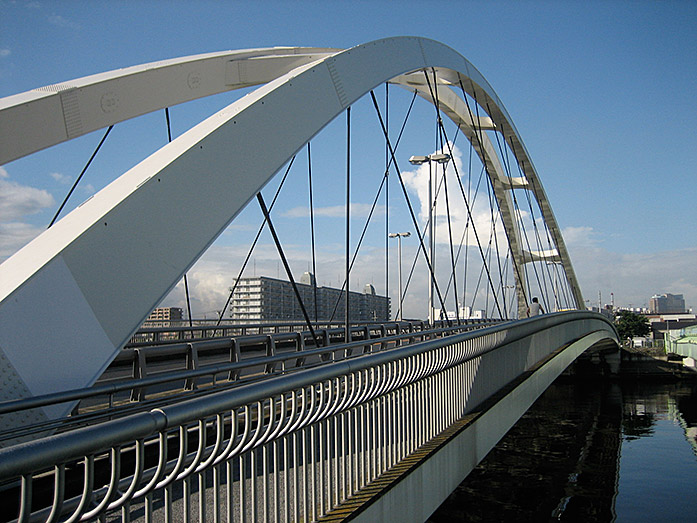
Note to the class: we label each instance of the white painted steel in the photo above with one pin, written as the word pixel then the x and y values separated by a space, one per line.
pixel 120 270
pixel 52 114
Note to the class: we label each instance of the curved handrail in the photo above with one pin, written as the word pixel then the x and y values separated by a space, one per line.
pixel 421 370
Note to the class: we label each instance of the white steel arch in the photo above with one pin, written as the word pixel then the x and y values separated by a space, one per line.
pixel 99 264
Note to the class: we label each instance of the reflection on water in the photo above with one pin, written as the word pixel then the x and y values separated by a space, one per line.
pixel 590 450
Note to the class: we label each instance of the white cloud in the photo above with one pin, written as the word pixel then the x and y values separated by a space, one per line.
pixel 4 53
pixel 14 236
pixel 634 278
pixel 417 182
pixel 580 237
pixel 357 210
pixel 17 201
pixel 61 178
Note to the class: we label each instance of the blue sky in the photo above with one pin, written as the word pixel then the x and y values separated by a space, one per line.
pixel 602 93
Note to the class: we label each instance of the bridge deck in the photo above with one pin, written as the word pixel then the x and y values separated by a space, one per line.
pixel 311 441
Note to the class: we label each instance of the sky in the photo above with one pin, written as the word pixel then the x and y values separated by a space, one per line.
pixel 602 94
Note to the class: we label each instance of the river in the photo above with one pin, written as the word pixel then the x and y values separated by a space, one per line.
pixel 590 450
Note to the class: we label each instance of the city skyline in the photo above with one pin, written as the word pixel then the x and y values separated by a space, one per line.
pixel 584 85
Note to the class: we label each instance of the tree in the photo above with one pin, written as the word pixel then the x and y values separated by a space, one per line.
pixel 630 324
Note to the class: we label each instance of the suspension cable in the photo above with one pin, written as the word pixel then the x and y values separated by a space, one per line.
pixel 440 132
pixel 387 194
pixel 540 284
pixel 478 136
pixel 360 242
pixel 272 229
pixel 254 243
pixel 504 154
pixel 543 271
pixel 312 229
pixel 406 196
pixel 469 213
pixel 494 219
pixel 186 280
pixel 550 242
pixel 465 232
pixel 347 315
pixel 384 180
pixel 84 169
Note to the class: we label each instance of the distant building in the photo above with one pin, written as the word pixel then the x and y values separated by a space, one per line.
pixel 662 323
pixel 667 303
pixel 164 317
pixel 465 313
pixel 263 299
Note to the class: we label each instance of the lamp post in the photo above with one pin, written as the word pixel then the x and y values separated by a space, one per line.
pixel 399 236
pixel 443 159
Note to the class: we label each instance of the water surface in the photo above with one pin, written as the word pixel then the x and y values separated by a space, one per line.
pixel 590 450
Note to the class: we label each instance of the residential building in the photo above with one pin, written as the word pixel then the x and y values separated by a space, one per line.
pixel 264 299
pixel 164 317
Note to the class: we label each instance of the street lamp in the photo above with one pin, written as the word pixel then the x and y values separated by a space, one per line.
pixel 399 236
pixel 419 160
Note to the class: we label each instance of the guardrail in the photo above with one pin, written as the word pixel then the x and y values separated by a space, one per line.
pixel 288 448
pixel 179 330
pixel 200 366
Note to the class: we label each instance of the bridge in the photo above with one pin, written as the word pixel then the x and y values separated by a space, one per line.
pixel 375 421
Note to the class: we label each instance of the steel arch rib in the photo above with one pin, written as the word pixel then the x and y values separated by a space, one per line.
pixel 451 104
pixel 56 113
pixel 96 274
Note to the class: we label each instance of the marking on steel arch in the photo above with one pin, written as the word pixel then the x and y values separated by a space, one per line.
pixel 73 297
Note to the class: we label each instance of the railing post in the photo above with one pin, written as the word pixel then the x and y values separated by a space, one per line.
pixel 234 358
pixel 366 338
pixel 191 364
pixel 139 372
pixel 327 342
pixel 270 352
pixel 299 347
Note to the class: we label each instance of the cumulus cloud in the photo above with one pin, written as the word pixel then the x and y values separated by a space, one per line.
pixel 14 236
pixel 17 201
pixel 4 52
pixel 462 219
pixel 210 279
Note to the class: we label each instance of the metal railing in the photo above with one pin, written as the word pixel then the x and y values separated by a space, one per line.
pixel 179 330
pixel 135 380
pixel 289 448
